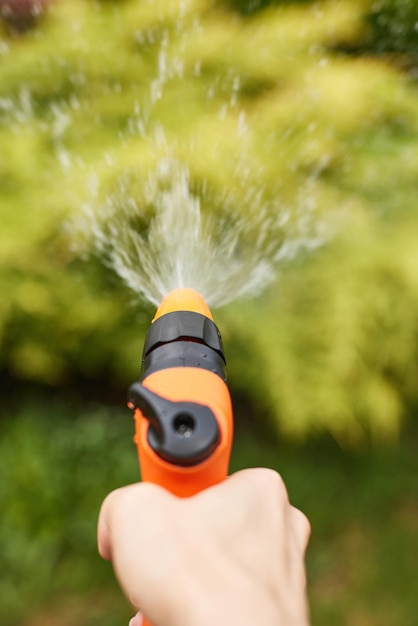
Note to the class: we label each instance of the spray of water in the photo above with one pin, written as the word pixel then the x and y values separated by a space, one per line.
pixel 167 236
pixel 162 233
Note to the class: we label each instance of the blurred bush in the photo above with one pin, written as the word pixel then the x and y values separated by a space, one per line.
pixel 394 27
pixel 271 100
pixel 55 470
pixel 58 461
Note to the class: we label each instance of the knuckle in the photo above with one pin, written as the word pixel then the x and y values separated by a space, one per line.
pixel 274 480
pixel 306 528
pixel 270 485
pixel 302 527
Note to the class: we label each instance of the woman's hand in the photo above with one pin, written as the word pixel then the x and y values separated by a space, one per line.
pixel 232 555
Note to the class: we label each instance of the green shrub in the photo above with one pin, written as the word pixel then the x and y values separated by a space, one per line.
pixel 393 27
pixel 58 460
pixel 267 116
pixel 55 470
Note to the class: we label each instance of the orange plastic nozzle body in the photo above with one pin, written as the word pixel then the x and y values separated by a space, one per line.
pixel 183 299
pixel 186 384
pixel 191 385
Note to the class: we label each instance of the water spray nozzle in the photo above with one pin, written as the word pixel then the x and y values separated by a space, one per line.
pixel 182 407
pixel 183 299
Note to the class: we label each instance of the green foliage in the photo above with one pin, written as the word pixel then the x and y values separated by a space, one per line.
pixel 57 463
pixel 248 7
pixel 249 101
pixel 357 360
pixel 363 510
pixel 55 469
pixel 394 26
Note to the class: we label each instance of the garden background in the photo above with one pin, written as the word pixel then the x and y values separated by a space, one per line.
pixel 304 107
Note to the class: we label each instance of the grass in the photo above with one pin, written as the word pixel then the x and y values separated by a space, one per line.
pixel 57 462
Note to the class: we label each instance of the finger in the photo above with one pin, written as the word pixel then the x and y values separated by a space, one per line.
pixel 137 620
pixel 301 528
pixel 113 504
pixel 245 498
pixel 135 526
pixel 261 480
pixel 103 533
pixel 255 487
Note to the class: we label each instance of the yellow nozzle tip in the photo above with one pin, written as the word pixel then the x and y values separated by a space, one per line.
pixel 183 299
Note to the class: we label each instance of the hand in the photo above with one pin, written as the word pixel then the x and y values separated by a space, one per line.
pixel 231 555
